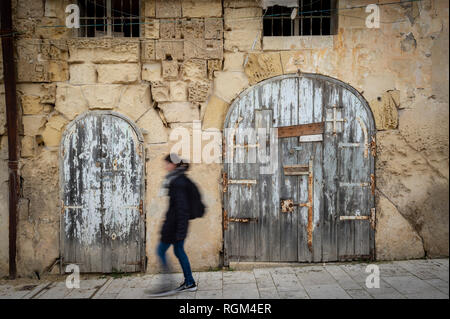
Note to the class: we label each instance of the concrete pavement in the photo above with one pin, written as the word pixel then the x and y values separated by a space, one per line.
pixel 421 279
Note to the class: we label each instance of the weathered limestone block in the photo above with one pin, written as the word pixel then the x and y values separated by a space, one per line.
pixel 135 100
pixel 58 71
pixel 168 8
pixel 298 43
pixel 213 65
pixel 179 111
pixel 28 146
pixel 147 50
pixel 193 29
pixel 48 29
pixel 51 137
pixel 118 73
pixel 70 101
pixel 194 69
pixel 104 96
pixel 46 91
pixel 152 127
pixel 198 91
pixel 84 73
pixel 202 8
pixel 29 9
pixel 227 85
pixel 51 7
pixel 233 61
pixel 166 49
pixel 151 29
pixel 203 49
pixel 33 72
pixel 170 29
pixel 170 70
pixel 149 8
pixel 53 50
pixel 160 91
pixel 57 122
pixel 241 19
pixel 292 61
pixel 385 112
pixel 31 105
pixel 394 236
pixel 151 72
pixel 178 91
pixel 215 113
pixel 32 124
pixel 242 40
pixel 213 28
pixel 261 66
pixel 241 3
pixel 103 50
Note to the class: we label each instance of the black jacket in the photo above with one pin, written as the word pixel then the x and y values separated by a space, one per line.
pixel 175 225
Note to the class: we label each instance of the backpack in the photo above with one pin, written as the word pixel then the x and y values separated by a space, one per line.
pixel 197 206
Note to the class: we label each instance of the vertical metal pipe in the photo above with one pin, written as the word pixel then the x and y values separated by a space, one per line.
pixel 11 117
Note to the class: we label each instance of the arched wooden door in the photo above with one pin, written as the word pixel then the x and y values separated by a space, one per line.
pixel 319 204
pixel 102 182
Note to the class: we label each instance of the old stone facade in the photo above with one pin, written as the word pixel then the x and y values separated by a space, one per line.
pixel 191 61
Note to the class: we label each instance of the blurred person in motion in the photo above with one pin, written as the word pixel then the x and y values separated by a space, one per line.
pixel 184 204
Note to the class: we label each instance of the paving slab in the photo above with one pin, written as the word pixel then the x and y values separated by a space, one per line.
pixel 209 294
pixel 240 291
pixel 328 291
pixel 410 285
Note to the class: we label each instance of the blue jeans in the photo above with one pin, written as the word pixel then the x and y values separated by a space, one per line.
pixel 182 257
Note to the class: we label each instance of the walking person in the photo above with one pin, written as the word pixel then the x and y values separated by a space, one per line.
pixel 182 200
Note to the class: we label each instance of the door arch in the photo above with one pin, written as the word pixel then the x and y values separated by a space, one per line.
pixel 319 204
pixel 102 191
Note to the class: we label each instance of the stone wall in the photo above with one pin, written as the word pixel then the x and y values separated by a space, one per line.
pixel 192 59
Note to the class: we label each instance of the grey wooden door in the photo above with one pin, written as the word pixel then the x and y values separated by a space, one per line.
pixel 318 205
pixel 102 226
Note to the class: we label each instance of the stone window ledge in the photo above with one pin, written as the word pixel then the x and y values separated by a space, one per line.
pixel 298 42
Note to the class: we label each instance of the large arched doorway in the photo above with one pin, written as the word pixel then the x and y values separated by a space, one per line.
pixel 102 184
pixel 319 204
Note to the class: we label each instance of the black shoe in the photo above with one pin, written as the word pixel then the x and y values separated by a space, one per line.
pixel 184 287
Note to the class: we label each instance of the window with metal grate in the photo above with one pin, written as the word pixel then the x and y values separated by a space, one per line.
pixel 311 17
pixel 109 18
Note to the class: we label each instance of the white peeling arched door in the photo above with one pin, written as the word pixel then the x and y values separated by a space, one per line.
pixel 102 182
pixel 319 204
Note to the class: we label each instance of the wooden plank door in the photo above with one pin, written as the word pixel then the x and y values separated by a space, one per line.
pixel 102 178
pixel 330 218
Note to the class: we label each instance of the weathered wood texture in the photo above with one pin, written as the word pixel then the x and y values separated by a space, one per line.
pixel 102 226
pixel 326 176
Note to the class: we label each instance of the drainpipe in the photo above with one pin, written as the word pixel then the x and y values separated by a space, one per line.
pixel 9 76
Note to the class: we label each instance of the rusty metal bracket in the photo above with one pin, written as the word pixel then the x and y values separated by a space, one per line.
pixel 226 182
pixel 141 207
pixel 227 219
pixel 373 146
pixel 370 218
pixel 372 183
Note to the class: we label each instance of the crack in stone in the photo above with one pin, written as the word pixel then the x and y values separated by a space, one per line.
pixel 407 219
